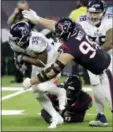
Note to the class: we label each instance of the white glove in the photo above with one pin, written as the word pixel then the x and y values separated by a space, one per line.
pixel 26 83
pixel 31 15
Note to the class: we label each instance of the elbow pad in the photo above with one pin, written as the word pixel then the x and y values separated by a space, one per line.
pixel 51 71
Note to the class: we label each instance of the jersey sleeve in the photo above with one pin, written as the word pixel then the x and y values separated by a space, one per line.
pixel 70 47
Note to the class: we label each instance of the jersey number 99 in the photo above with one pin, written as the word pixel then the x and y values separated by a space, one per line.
pixel 86 48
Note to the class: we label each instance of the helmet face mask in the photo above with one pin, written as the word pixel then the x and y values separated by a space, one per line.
pixel 73 87
pixel 23 40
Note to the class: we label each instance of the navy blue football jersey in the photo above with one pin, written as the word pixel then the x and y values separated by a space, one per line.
pixel 88 55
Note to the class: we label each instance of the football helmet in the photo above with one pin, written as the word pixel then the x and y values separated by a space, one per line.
pixel 20 33
pixel 96 11
pixel 64 29
pixel 73 87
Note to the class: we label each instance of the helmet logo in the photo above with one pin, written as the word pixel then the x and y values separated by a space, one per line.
pixel 25 32
pixel 96 5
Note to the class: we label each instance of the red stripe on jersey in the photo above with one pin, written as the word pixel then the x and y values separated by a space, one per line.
pixel 65 47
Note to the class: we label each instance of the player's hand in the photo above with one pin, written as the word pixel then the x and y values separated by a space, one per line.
pixel 31 15
pixel 18 58
pixel 16 10
pixel 26 83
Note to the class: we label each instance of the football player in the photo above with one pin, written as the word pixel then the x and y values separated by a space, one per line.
pixel 76 47
pixel 99 29
pixel 78 101
pixel 36 49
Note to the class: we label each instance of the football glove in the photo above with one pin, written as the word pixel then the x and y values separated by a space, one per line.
pixel 26 83
pixel 31 15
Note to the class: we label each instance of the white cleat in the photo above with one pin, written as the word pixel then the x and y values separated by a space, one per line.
pixel 98 123
pixel 56 121
pixel 62 99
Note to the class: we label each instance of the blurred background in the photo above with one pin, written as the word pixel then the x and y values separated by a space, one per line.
pixel 53 9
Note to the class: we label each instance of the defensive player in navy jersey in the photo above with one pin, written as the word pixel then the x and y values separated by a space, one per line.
pixel 76 47
pixel 78 101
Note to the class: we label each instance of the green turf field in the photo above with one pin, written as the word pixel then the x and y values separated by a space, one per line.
pixel 29 118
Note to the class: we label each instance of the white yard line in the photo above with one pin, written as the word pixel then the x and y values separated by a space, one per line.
pixel 13 89
pixel 87 89
pixel 12 112
pixel 20 91
pixel 12 95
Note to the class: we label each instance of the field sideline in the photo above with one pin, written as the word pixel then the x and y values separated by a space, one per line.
pixel 21 112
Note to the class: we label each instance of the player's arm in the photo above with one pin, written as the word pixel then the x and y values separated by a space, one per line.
pixel 35 19
pixel 39 61
pixel 108 41
pixel 34 61
pixel 12 17
pixel 49 72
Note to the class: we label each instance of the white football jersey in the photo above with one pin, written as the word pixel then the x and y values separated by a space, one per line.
pixel 96 34
pixel 37 44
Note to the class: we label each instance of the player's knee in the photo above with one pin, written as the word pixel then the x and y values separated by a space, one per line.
pixel 42 87
pixel 37 94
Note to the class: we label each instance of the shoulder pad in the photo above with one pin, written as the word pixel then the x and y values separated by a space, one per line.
pixel 83 18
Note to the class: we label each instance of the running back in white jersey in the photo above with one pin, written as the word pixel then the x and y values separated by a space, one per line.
pixel 96 34
pixel 37 44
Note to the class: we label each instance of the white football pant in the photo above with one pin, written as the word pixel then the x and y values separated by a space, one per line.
pixel 102 89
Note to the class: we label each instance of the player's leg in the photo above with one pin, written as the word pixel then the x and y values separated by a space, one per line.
pixel 51 88
pixel 46 116
pixel 47 105
pixel 44 100
pixel 107 84
pixel 111 63
pixel 99 99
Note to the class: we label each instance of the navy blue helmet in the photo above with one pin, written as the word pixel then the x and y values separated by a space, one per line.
pixel 20 33
pixel 96 6
pixel 64 28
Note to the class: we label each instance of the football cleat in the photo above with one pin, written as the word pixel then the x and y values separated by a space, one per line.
pixel 100 121
pixel 56 121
